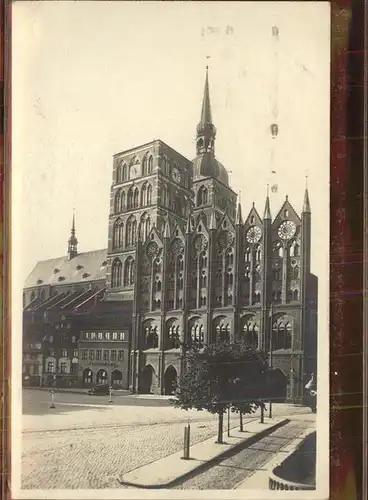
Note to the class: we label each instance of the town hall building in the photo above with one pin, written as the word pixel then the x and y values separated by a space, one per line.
pixel 183 266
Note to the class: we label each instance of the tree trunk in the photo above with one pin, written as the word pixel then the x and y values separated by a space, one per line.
pixel 220 428
pixel 262 414
pixel 241 422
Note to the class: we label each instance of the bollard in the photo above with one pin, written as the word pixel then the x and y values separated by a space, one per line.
pixel 228 422
pixel 110 400
pixel 52 399
pixel 186 442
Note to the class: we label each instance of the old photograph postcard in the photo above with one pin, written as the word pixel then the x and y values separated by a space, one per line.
pixel 170 249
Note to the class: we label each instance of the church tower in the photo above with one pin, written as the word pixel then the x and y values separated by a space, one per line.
pixel 72 242
pixel 151 185
pixel 211 181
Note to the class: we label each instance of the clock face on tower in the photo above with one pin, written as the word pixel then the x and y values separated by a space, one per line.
pixel 254 234
pixel 176 174
pixel 286 230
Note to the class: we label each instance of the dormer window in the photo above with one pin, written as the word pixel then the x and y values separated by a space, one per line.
pixel 104 263
pixel 85 275
pixel 252 219
pixel 79 267
pixel 61 278
pixel 286 213
pixel 39 282
pixel 56 270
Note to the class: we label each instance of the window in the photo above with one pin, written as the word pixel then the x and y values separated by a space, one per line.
pixel 114 336
pixel 100 335
pixel 98 355
pixel 74 339
pixel 106 355
pixel 150 165
pixel 51 339
pixel 113 355
pixel 129 272
pixel 121 355
pixel 202 196
pixel 64 353
pixel 86 335
pixel 51 367
pixel 119 174
pixel 91 355
pixel 121 335
pixel 84 354
pixel 131 232
pixel 116 273
pixel 63 368
pixel 51 353
pixel 107 335
pixel 118 232
pixel 75 353
pixel 117 202
pixel 125 172
pixel 93 335
pixel 136 198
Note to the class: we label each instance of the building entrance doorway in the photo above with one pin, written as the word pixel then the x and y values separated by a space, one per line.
pixel 147 379
pixel 170 380
pixel 117 378
pixel 87 377
pixel 101 377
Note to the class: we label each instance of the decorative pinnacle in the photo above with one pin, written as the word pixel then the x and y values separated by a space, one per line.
pixel 267 211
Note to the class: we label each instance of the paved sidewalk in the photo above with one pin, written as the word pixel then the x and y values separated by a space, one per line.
pixel 162 473
pixel 259 480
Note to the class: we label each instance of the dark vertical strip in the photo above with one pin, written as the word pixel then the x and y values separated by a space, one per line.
pixel 346 250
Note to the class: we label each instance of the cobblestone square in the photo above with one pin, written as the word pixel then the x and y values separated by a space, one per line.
pixel 85 442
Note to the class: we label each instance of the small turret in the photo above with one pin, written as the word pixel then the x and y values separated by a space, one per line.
pixel 72 242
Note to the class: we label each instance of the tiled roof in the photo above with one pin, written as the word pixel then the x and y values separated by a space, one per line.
pixel 84 267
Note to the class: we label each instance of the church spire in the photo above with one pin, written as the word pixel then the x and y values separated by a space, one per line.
pixel 72 242
pixel 306 204
pixel 206 131
pixel 206 115
pixel 267 211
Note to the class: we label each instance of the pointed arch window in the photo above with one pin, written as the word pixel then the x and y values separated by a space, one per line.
pixel 202 198
pixel 296 295
pixel 124 174
pixel 145 166
pixel 116 273
pixel 136 198
pixel 150 165
pixel 258 253
pixel 294 249
pixel 149 194
pixel 247 254
pixel 129 272
pixel 119 174
pixel 118 232
pixel 117 202
pixel 282 334
pixel 130 199
pixel 131 232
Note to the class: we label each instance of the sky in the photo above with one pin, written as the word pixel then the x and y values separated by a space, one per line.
pixel 91 79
